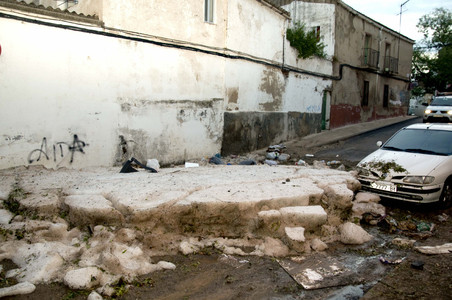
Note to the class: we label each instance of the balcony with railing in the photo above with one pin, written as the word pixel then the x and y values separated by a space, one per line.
pixel 371 58
pixel 391 64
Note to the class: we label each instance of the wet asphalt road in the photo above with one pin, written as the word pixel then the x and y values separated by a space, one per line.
pixel 358 147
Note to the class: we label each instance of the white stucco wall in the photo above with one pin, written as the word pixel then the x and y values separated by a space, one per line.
pixel 113 97
pixel 255 29
pixel 57 83
pixel 313 15
pixel 174 19
pixel 251 87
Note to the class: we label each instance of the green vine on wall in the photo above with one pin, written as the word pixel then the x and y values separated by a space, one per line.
pixel 305 41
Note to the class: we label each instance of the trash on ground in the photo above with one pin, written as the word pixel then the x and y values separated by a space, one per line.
pixel 309 155
pixel 418 265
pixel 443 217
pixel 270 162
pixel 191 165
pixel 318 273
pixel 389 224
pixel 301 163
pixel 272 155
pixel 153 163
pixel 333 162
pixel 409 227
pixel 275 152
pixel 390 261
pixel 216 160
pixel 128 166
pixel 423 226
pixel 283 157
pixel 248 162
pixel 276 148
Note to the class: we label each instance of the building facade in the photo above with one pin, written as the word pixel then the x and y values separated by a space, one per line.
pixel 95 82
pixel 372 63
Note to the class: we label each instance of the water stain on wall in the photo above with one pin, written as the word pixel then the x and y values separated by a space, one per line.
pixel 272 84
pixel 233 95
pixel 204 117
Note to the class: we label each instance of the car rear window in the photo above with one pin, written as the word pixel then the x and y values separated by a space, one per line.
pixel 442 101
pixel 426 141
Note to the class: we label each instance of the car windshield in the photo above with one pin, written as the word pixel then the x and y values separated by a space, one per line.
pixel 426 141
pixel 442 101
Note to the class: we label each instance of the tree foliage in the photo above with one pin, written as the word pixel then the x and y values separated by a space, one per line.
pixel 432 58
pixel 305 41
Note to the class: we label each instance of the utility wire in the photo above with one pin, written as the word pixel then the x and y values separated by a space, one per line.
pixel 169 44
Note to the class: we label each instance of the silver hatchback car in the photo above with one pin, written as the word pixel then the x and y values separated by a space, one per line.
pixel 440 110
pixel 414 165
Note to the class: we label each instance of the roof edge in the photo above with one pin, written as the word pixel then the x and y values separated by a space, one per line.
pixel 276 8
pixel 354 11
pixel 51 12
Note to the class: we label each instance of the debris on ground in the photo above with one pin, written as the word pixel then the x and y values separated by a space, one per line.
pixel 194 211
pixel 390 261
pixel 216 160
pixel 191 165
pixel 276 153
pixel 440 249
pixel 352 234
pixel 22 288
pixel 153 164
pixel 443 217
pixel 130 166
pixel 403 243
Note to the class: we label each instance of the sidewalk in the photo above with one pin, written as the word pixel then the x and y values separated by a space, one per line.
pixel 342 133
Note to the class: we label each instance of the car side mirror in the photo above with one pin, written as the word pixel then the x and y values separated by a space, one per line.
pixel 379 143
pixel 425 103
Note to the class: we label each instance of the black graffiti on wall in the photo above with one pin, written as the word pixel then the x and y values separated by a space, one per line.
pixel 58 150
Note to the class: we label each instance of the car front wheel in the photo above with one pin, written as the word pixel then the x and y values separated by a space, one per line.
pixel 446 196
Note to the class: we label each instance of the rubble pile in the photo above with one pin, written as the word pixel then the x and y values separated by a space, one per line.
pixel 91 228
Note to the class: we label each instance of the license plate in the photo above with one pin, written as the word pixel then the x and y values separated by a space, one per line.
pixel 437 116
pixel 384 187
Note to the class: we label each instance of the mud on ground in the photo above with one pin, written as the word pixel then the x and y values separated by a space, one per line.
pixel 210 274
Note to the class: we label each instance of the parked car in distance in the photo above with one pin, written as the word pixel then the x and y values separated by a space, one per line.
pixel 417 107
pixel 439 110
pixel 414 165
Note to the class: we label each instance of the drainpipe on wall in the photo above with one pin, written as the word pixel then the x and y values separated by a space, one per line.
pixel 284 44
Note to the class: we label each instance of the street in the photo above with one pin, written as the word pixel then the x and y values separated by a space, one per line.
pixel 356 148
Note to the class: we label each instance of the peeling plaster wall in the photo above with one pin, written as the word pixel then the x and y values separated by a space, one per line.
pixel 270 108
pixel 346 104
pixel 255 29
pixel 263 104
pixel 314 15
pixel 76 101
pixel 94 100
pixel 248 131
pixel 173 19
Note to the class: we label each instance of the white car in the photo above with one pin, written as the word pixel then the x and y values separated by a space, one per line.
pixel 414 165
pixel 440 110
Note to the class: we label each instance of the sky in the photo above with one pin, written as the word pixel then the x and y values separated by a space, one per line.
pixel 387 12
